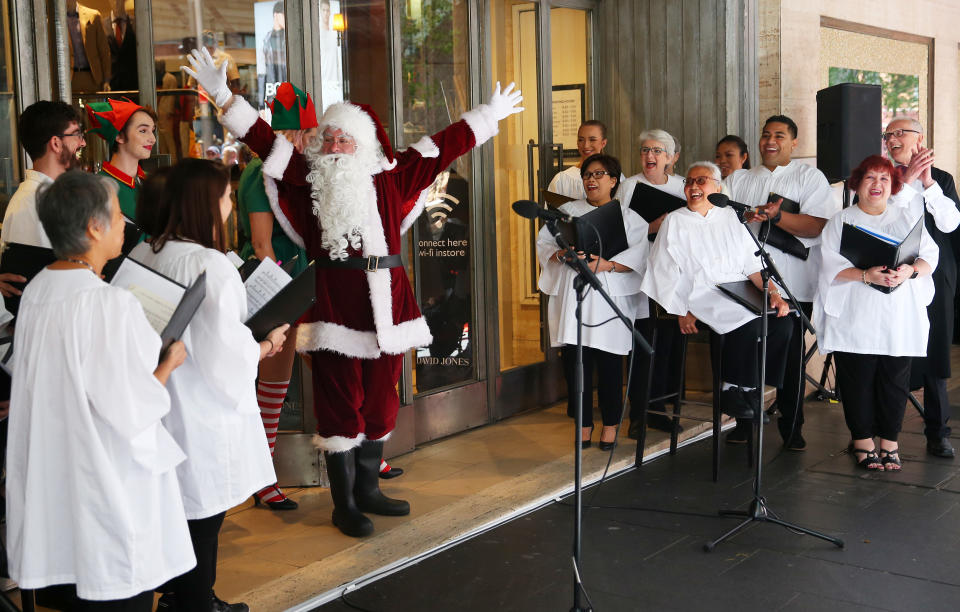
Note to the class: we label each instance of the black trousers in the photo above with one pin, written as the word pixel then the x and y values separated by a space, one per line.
pixel 666 371
pixel 741 352
pixel 790 394
pixel 936 407
pixel 194 590
pixel 874 391
pixel 64 597
pixel 609 383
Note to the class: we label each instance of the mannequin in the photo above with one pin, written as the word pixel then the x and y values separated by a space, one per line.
pixel 89 49
pixel 122 37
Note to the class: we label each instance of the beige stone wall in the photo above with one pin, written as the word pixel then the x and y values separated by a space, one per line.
pixel 790 47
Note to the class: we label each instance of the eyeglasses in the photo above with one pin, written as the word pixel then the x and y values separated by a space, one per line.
pixel 77 133
pixel 898 133
pixel 654 150
pixel 596 174
pixel 699 180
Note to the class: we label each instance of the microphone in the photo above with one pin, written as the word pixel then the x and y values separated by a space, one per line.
pixel 721 200
pixel 532 210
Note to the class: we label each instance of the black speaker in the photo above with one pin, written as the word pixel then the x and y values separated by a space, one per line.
pixel 849 124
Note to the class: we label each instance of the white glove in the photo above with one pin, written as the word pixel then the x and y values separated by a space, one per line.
pixel 502 105
pixel 212 79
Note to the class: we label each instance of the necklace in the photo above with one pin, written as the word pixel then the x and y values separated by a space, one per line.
pixel 82 263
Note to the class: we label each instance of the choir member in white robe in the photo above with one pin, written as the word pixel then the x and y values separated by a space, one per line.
pixel 591 140
pixel 732 154
pixel 930 192
pixel 93 502
pixel 697 248
pixel 215 416
pixel 873 335
pixel 603 346
pixel 802 183
pixel 657 151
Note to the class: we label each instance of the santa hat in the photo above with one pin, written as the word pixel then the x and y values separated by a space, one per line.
pixel 361 122
pixel 108 118
pixel 292 109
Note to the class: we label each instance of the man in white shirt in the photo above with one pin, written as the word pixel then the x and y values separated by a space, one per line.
pixel 51 134
pixel 937 201
pixel 779 174
pixel 591 140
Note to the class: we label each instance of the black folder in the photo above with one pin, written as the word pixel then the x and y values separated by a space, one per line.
pixel 247 268
pixel 782 239
pixel 188 306
pixel 747 295
pixel 287 305
pixel 865 249
pixel 652 203
pixel 131 238
pixel 601 227
pixel 25 260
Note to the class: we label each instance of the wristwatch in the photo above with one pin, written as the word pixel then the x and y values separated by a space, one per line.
pixel 915 274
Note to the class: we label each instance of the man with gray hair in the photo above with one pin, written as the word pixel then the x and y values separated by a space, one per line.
pixel 934 196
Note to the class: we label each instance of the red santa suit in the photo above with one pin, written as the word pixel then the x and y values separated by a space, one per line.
pixel 363 320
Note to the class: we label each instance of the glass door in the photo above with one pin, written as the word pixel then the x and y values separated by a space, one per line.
pixel 545 50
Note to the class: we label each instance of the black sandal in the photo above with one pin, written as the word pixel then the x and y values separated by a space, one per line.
pixel 870 458
pixel 891 458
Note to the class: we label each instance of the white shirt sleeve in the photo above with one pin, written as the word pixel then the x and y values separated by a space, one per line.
pixel 944 210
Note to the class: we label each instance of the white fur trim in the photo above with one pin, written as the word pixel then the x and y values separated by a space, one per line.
pixel 270 186
pixel 239 118
pixel 426 147
pixel 387 165
pixel 338 444
pixel 482 123
pixel 278 159
pixel 382 438
pixel 411 217
pixel 351 119
pixel 337 338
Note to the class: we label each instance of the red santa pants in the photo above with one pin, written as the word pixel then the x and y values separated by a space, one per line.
pixel 353 396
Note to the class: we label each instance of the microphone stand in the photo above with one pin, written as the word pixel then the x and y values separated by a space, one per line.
pixel 585 277
pixel 758 510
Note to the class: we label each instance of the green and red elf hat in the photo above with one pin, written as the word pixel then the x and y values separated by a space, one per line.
pixel 292 109
pixel 108 118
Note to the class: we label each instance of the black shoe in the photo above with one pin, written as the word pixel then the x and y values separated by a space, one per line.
pixel 221 606
pixel 737 403
pixel 633 432
pixel 607 446
pixel 167 603
pixel 739 435
pixel 796 443
pixel 342 470
pixel 393 472
pixel 281 504
pixel 940 448
pixel 662 422
pixel 367 488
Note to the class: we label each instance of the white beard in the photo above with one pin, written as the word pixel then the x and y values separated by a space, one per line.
pixel 343 195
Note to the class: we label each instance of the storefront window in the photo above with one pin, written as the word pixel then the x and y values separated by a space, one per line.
pixel 436 80
pixel 9 149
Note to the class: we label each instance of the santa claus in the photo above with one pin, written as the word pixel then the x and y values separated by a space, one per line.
pixel 347 199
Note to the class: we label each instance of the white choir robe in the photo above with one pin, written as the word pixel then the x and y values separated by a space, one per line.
pixel 92 491
pixel 945 214
pixel 556 280
pixel 673 186
pixel 568 183
pixel 804 184
pixel 855 318
pixel 21 224
pixel 215 416
pixel 693 254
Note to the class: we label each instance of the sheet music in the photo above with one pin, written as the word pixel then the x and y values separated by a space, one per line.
pixel 264 283
pixel 157 294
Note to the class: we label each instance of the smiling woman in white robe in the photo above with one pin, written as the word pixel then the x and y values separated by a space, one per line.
pixel 697 248
pixel 215 416
pixel 873 334
pixel 604 346
pixel 92 496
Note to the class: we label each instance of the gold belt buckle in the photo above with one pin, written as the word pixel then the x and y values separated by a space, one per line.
pixel 373 263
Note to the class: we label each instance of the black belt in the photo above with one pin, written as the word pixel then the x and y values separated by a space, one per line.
pixel 369 263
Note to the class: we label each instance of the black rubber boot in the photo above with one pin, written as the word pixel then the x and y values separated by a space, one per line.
pixel 342 470
pixel 369 497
